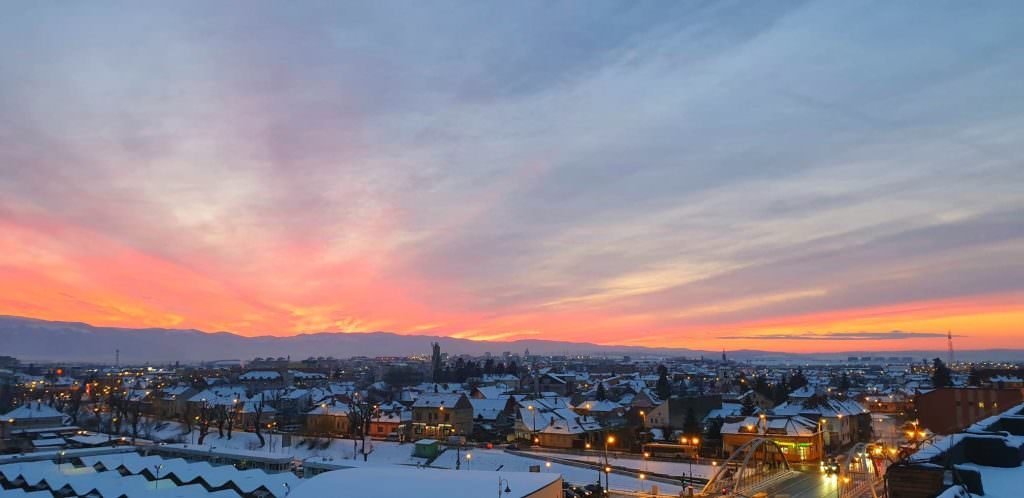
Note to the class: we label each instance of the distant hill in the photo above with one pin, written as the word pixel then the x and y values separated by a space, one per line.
pixel 39 340
pixel 32 339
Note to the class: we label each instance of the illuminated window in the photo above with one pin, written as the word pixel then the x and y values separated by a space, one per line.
pixel 981 404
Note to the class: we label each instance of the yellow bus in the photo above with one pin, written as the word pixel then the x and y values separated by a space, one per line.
pixel 670 450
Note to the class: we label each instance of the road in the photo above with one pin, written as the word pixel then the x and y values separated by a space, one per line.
pixel 806 485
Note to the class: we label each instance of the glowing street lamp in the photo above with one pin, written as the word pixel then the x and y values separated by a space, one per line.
pixel 607 468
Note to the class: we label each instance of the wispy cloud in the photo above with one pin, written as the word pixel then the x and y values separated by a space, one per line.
pixel 838 336
pixel 609 172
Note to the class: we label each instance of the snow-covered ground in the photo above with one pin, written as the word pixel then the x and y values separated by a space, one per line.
pixel 483 459
pixel 638 464
pixel 393 453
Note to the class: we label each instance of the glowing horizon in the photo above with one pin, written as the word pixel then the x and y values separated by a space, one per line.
pixel 772 177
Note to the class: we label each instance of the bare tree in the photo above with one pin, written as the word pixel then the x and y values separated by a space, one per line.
pixel 188 418
pixel 136 415
pixel 117 404
pixel 236 409
pixel 258 412
pixel 76 404
pixel 148 428
pixel 360 416
pixel 221 414
pixel 205 416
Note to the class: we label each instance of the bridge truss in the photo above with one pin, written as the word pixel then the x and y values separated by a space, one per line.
pixel 749 469
pixel 862 472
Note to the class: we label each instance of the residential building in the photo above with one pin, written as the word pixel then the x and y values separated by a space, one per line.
pixel 798 437
pixel 437 415
pixel 950 409
pixel 329 419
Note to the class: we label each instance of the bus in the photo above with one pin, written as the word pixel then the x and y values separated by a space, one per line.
pixel 671 450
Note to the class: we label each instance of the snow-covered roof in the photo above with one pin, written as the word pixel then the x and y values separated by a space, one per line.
pixel 395 417
pixel 410 481
pixel 439 388
pixel 491 392
pixel 435 400
pixel 827 408
pixel 571 425
pixel 296 394
pixel 333 409
pixel 776 425
pixel 488 409
pixel 174 391
pixel 260 375
pixel 32 410
pixel 298 374
pixel 727 410
pixel 602 406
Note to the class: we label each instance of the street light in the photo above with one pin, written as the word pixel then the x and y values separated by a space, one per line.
pixel 534 415
pixel 607 469
pixel 507 488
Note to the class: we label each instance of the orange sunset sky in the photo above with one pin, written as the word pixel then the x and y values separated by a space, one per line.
pixel 653 174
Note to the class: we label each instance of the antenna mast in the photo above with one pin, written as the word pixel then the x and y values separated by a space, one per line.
pixel 949 340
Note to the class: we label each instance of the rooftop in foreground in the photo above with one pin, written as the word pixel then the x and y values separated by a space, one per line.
pixel 412 481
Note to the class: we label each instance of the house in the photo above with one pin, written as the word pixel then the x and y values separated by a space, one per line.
pixel 293 404
pixel 32 415
pixel 262 379
pixel 170 402
pixel 307 379
pixel 798 437
pixel 493 418
pixel 644 400
pixel 532 415
pixel 26 426
pixel 553 422
pixel 499 379
pixel 843 421
pixel 250 412
pixel 328 419
pixel 893 402
pixel 606 412
pixel 568 431
pixel 671 414
pixel 560 384
pixel 438 415
pixel 389 423
pixel 489 392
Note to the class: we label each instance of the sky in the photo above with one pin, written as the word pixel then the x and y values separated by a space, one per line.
pixel 785 176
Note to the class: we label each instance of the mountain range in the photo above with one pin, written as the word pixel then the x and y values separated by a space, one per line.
pixel 30 339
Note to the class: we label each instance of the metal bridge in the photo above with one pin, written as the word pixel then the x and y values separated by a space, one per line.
pixel 862 472
pixel 756 466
